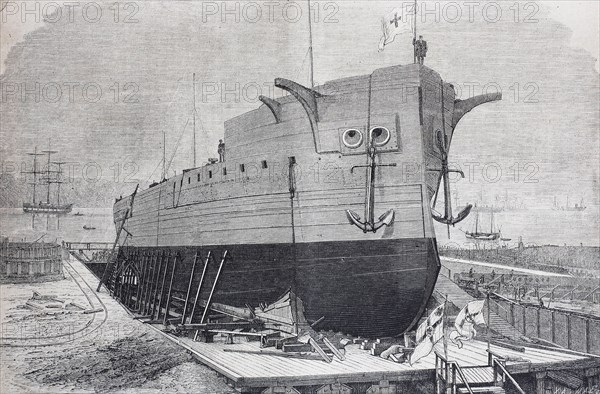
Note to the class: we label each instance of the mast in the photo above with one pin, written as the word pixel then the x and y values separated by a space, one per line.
pixel 48 171
pixel 194 140
pixel 58 179
pixel 310 48
pixel 164 159
pixel 492 220
pixel 477 222
pixel 35 171
pixel 415 35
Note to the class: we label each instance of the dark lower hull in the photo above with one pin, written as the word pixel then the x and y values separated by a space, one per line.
pixel 369 288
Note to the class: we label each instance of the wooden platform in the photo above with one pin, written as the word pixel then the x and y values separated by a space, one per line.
pixel 255 373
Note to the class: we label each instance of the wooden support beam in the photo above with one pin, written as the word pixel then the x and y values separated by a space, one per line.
pixel 154 285
pixel 147 283
pixel 138 294
pixel 208 258
pixel 335 350
pixel 170 290
pixel 162 288
pixel 275 353
pixel 214 286
pixel 319 350
pixel 189 290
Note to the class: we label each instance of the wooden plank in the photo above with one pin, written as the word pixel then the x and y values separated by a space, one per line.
pixel 214 286
pixel 199 289
pixel 187 296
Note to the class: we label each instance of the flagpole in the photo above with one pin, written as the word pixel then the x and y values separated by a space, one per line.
pixel 310 48
pixel 194 140
pixel 444 329
pixel 488 323
pixel 415 36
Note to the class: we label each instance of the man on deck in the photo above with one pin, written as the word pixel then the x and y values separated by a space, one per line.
pixel 221 151
pixel 420 49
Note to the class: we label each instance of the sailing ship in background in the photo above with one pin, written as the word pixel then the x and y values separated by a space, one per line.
pixel 576 208
pixel 493 235
pixel 508 202
pixel 46 178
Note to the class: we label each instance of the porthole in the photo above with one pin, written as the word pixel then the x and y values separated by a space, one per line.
pixel 352 138
pixel 380 136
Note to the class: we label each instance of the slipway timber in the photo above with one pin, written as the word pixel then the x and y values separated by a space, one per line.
pixel 274 348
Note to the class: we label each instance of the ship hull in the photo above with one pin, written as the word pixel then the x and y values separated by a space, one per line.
pixel 280 204
pixel 52 209
pixel 372 288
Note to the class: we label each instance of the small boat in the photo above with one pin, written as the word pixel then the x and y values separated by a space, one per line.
pixel 86 227
pixel 492 235
pixel 78 214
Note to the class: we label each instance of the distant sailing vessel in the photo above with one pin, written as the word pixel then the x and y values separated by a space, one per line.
pixel 577 207
pixel 492 235
pixel 86 227
pixel 48 177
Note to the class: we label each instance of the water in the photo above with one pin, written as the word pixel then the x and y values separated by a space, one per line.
pixel 18 225
pixel 536 226
pixel 540 226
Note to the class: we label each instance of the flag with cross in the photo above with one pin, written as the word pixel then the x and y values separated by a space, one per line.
pixel 428 334
pixel 398 21
pixel 466 320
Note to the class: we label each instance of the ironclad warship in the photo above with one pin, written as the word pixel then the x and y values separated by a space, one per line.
pixel 284 203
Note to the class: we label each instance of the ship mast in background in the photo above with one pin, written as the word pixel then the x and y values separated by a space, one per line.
pixel 34 172
pixel 310 48
pixel 194 136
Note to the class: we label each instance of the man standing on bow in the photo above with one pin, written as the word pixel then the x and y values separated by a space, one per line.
pixel 420 49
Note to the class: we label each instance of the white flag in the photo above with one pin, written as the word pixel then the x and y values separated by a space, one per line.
pixel 400 20
pixel 465 322
pixel 428 333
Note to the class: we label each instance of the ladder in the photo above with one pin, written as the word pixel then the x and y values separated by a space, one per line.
pixel 109 262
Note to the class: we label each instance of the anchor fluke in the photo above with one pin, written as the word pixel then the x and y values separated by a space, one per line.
pixel 384 220
pixel 462 215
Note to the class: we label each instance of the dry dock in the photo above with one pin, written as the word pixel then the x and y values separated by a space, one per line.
pixel 535 368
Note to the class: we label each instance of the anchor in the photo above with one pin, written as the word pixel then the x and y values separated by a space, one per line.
pixel 370 225
pixel 447 219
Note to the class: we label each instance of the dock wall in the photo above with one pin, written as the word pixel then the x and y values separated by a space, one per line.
pixel 30 262
pixel 570 330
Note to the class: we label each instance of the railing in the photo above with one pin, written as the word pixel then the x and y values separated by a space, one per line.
pixel 442 367
pixel 497 363
pixel 87 245
pixel 22 251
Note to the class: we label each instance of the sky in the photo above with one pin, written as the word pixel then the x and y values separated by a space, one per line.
pixel 111 84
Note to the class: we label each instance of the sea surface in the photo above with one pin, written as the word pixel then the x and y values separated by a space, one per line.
pixel 535 226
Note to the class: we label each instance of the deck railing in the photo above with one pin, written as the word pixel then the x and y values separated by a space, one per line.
pixel 446 371
pixel 498 363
